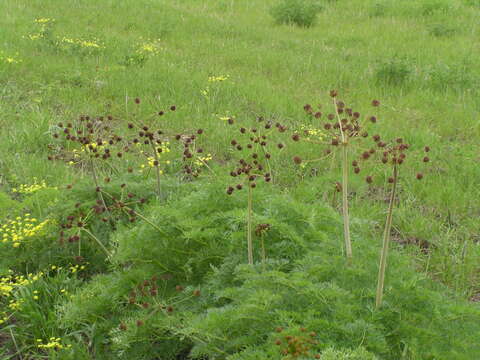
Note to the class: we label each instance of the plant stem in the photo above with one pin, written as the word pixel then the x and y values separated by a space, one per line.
pixel 346 217
pixel 264 254
pixel 249 226
pixel 157 169
pixel 98 242
pixel 145 219
pixel 95 180
pixel 386 242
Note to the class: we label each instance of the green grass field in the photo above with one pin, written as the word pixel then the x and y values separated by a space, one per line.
pixel 214 60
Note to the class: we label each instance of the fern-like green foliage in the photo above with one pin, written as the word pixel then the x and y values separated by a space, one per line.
pixel 210 304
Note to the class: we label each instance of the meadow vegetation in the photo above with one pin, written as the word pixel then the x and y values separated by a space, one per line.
pixel 213 180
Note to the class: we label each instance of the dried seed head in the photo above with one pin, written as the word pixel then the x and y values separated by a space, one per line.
pixel 427 148
pixel 356 170
pixel 307 108
pixel 419 176
pixel 333 93
pixel 173 108
pixel 426 159
pixel 338 186
pixel 375 103
pixel 137 100
pixel 295 137
pixel 369 179
pixel 391 180
pixel 297 160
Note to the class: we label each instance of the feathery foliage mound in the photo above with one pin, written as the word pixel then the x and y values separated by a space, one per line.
pixel 186 291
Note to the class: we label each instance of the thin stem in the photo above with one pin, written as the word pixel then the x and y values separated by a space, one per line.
pixel 157 169
pixel 138 214
pixel 264 254
pixel 249 226
pixel 145 219
pixel 386 241
pixel 98 242
pixel 346 217
pixel 268 163
pixel 206 165
pixel 315 141
pixel 95 180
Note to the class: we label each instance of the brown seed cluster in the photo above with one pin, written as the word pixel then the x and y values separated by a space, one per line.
pixel 261 229
pixel 108 208
pixel 145 295
pixel 256 144
pixel 191 152
pixel 94 135
pixel 392 153
pixel 298 345
pixel 339 126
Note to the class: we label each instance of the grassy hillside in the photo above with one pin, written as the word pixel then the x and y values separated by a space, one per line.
pixel 200 63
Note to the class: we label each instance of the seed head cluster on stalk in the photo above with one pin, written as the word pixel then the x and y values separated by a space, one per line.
pixel 343 128
pixel 97 146
pixel 392 154
pixel 256 145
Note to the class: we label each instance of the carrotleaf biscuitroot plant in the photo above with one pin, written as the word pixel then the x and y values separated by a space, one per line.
pixel 393 155
pixel 344 128
pixel 258 147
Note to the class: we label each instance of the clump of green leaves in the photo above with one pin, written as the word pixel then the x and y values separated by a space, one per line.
pixel 302 13
pixel 393 72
